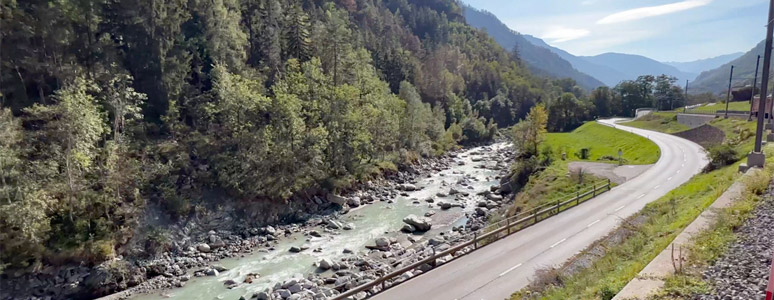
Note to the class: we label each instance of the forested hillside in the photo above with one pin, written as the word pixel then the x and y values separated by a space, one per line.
pixel 110 106
pixel 716 80
pixel 540 60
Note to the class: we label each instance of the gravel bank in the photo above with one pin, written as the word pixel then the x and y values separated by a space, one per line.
pixel 742 272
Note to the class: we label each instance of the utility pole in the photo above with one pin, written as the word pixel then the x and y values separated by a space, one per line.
pixel 685 105
pixel 755 81
pixel 757 158
pixel 728 96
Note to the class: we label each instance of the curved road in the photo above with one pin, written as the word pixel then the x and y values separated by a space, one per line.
pixel 503 267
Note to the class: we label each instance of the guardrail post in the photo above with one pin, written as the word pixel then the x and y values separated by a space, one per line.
pixel 608 185
pixel 475 240
pixel 508 224
pixel 536 217
pixel 383 285
pixel 557 205
pixel 577 197
pixel 594 190
pixel 434 263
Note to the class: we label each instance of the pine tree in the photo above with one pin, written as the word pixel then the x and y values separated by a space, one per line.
pixel 297 34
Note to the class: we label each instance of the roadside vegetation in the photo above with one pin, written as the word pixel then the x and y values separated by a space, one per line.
pixel 712 108
pixel 710 244
pixel 609 264
pixel 552 180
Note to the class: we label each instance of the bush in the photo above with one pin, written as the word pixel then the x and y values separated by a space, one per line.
pixel 721 156
pixel 101 250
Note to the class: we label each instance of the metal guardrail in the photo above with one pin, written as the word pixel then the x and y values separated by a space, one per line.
pixel 770 287
pixel 487 234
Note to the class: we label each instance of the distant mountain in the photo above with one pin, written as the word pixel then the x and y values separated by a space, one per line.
pixel 716 80
pixel 707 64
pixel 607 75
pixel 540 60
pixel 631 66
pixel 612 68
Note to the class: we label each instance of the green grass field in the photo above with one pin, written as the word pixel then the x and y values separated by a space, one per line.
pixel 556 183
pixel 732 106
pixel 659 121
pixel 603 142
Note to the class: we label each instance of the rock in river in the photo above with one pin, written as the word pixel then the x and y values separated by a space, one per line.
pixel 325 263
pixel 420 223
pixel 382 242
pixel 407 187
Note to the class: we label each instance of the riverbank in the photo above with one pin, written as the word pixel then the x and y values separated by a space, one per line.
pixel 199 254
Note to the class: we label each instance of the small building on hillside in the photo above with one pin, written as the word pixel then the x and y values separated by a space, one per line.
pixel 756 105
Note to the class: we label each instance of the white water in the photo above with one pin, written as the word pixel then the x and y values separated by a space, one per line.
pixel 371 221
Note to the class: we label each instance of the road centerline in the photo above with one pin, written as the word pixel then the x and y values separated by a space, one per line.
pixel 557 243
pixel 509 270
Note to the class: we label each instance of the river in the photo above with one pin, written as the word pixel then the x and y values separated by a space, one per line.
pixel 371 221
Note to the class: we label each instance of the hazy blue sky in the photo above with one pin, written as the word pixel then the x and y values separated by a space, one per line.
pixel 665 30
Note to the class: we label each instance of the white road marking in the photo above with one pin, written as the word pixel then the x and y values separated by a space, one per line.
pixel 509 270
pixel 656 187
pixel 678 171
pixel 559 242
pixel 683 165
pixel 640 196
pixel 669 179
pixel 592 223
pixel 620 208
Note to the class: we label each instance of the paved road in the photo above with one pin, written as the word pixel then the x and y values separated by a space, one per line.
pixel 499 269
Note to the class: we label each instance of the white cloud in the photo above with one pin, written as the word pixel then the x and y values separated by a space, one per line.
pixel 652 11
pixel 558 34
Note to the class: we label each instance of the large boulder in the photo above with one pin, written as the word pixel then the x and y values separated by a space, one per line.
pixel 353 202
pixel 382 242
pixel 261 296
pixel 420 223
pixel 333 224
pixel 325 263
pixel 203 248
pixel 270 230
pixel 495 197
pixel 407 187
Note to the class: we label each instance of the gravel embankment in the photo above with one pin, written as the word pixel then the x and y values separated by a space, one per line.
pixel 743 271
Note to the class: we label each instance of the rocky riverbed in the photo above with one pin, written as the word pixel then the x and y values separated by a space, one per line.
pixel 743 271
pixel 379 227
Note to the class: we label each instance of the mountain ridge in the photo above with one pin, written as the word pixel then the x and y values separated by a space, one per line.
pixel 716 80
pixel 706 64
pixel 539 60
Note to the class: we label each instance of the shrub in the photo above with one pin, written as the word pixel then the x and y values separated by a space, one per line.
pixel 721 156
pixel 101 250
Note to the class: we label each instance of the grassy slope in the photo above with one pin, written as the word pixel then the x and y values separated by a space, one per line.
pixel 663 220
pixel 604 141
pixel 554 183
pixel 732 106
pixel 659 121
